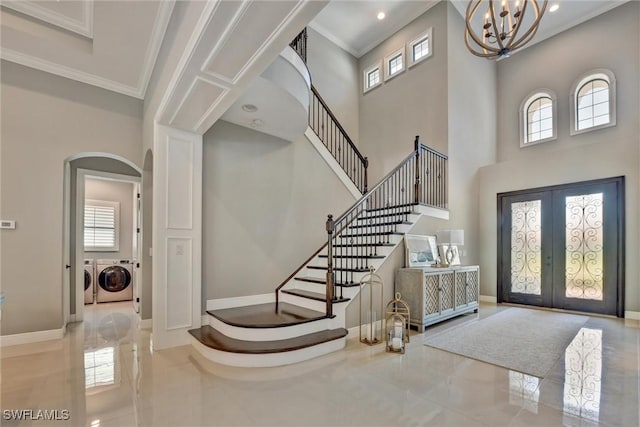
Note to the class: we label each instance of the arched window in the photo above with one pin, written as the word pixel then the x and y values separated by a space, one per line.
pixel 538 118
pixel 593 102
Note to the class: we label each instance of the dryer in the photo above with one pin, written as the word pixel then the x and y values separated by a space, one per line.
pixel 89 281
pixel 114 280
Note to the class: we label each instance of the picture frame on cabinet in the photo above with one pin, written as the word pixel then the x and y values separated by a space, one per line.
pixel 420 251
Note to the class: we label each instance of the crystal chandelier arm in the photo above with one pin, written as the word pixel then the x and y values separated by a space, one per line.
pixel 526 37
pixel 471 11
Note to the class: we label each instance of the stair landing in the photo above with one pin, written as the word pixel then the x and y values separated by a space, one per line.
pixel 266 316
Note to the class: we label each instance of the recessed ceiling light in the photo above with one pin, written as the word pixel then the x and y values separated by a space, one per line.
pixel 554 8
pixel 381 16
pixel 249 108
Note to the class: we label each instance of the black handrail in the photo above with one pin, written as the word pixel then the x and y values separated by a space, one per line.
pixel 299 44
pixel 327 127
pixel 354 236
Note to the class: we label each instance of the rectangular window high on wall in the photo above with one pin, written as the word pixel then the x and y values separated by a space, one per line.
pixel 420 48
pixel 394 64
pixel 101 226
pixel 372 77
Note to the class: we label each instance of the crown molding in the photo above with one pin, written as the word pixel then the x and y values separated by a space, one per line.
pixel 83 27
pixel 157 36
pixel 333 39
pixel 69 73
pixel 160 26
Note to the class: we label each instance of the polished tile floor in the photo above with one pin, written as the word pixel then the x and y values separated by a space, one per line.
pixel 105 373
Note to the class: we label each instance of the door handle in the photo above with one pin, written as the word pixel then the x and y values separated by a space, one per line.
pixel 67 266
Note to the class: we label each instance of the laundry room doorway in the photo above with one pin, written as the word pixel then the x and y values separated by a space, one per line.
pixel 102 243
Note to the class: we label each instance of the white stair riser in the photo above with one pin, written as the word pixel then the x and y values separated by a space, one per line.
pixel 379 250
pixel 410 218
pixel 270 359
pixel 270 334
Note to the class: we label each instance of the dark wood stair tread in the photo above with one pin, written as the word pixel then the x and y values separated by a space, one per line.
pixel 212 338
pixel 316 296
pixel 323 281
pixel 355 245
pixel 356 256
pixel 399 213
pixel 381 233
pixel 354 270
pixel 381 224
pixel 265 315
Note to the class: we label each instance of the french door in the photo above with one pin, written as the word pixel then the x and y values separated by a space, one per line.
pixel 563 246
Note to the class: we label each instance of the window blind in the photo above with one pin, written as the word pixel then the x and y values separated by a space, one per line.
pixel 100 227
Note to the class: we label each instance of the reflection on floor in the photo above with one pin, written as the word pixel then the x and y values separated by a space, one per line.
pixel 106 374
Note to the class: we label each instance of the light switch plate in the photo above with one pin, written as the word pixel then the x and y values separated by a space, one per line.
pixel 7 224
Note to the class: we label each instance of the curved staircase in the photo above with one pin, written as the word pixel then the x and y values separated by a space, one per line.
pixel 306 315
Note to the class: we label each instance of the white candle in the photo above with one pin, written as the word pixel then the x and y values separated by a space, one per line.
pixel 396 343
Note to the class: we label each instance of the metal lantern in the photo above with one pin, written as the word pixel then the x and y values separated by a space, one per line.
pixel 397 324
pixel 370 312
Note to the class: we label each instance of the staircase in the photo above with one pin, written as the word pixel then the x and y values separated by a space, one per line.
pixel 307 315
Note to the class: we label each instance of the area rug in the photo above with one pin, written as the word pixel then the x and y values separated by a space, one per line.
pixel 527 341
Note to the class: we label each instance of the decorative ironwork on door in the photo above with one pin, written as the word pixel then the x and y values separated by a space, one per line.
pixel 526 247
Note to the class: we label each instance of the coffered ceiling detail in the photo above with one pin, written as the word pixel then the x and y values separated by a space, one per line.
pixel 109 44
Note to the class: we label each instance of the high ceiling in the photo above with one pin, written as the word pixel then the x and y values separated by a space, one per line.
pixel 353 24
pixel 110 44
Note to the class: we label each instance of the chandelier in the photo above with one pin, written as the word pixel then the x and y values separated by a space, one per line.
pixel 505 28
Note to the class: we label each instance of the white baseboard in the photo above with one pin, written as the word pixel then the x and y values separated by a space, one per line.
pixel 218 304
pixel 72 318
pixel 632 315
pixel 146 323
pixel 489 298
pixel 31 337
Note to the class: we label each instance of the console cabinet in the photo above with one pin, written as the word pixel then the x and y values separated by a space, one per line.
pixel 436 294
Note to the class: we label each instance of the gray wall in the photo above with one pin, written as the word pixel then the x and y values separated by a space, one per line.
pixel 335 74
pixel 114 191
pixel 264 208
pixel 412 103
pixel 556 63
pixel 466 129
pixel 45 120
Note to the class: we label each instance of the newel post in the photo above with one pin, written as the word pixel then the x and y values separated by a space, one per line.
pixel 330 273
pixel 416 190
pixel 366 167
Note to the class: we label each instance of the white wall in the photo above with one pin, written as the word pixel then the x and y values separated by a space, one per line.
pixel 114 191
pixel 335 74
pixel 265 205
pixel 556 63
pixel 46 119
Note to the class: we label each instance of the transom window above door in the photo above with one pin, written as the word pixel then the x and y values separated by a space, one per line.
pixel 538 118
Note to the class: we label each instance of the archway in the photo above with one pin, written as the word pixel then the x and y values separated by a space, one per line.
pixel 75 167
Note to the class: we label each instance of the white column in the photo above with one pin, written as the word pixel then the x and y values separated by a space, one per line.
pixel 177 236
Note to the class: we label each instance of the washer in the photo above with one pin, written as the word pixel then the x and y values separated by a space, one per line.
pixel 114 280
pixel 89 281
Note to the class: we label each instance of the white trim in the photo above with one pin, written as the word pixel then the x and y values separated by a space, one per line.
pixel 489 298
pixel 189 51
pixel 577 84
pixel 220 303
pixel 632 315
pixel 189 92
pixel 524 120
pixel 333 39
pixel 165 10
pixel 69 73
pixel 429 36
pixel 108 155
pixel 365 76
pixel 387 59
pixel 146 323
pixel 31 337
pixel 83 27
pixel 268 359
pixel 332 162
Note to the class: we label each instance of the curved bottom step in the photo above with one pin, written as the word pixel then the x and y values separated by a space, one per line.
pixel 219 348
